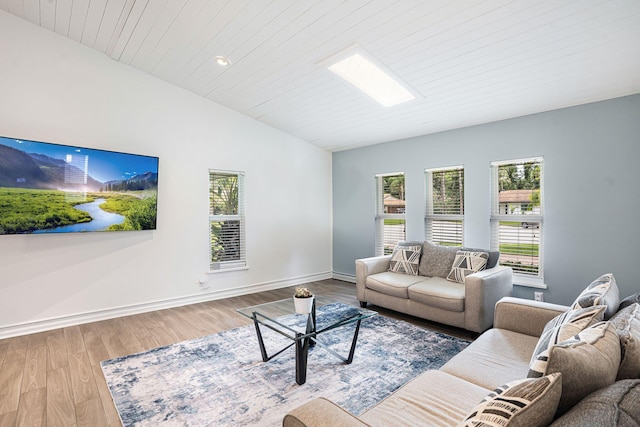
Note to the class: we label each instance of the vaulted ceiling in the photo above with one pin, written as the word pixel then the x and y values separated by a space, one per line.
pixel 471 62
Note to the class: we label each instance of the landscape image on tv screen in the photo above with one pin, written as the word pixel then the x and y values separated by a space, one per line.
pixel 53 188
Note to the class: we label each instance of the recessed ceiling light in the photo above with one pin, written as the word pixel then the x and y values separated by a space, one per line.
pixel 370 76
pixel 222 61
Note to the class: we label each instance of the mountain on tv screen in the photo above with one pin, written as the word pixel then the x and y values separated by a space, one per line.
pixel 53 188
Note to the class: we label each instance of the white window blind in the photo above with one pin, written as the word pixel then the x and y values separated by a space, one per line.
pixel 390 212
pixel 444 219
pixel 517 216
pixel 226 220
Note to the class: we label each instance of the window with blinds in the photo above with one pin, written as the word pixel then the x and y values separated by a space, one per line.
pixel 226 220
pixel 517 213
pixel 444 218
pixel 390 212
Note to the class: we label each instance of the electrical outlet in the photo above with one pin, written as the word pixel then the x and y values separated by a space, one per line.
pixel 538 296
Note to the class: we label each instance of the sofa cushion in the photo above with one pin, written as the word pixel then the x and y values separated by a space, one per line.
pixel 588 361
pixel 494 256
pixel 631 299
pixel 466 263
pixel 437 260
pixel 427 401
pixel 482 364
pixel 394 284
pixel 438 292
pixel 405 259
pixel 627 324
pixel 527 402
pixel 566 325
pixel 615 405
pixel 602 291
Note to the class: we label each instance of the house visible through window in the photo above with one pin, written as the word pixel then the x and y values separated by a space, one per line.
pixel 517 217
pixel 226 220
pixel 444 217
pixel 390 212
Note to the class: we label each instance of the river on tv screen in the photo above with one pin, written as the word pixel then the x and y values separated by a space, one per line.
pixel 53 188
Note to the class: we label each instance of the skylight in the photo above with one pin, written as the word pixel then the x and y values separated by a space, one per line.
pixel 371 79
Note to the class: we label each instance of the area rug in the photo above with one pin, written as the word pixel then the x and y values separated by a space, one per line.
pixel 221 380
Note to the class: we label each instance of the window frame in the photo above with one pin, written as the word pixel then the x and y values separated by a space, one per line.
pixel 239 216
pixel 381 216
pixel 496 217
pixel 430 216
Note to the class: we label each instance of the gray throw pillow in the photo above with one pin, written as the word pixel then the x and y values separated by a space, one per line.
pixel 437 260
pixel 631 299
pixel 615 405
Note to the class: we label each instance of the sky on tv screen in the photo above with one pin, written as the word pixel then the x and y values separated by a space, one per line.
pixel 102 165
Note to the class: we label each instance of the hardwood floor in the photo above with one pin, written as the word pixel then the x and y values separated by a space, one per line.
pixel 54 378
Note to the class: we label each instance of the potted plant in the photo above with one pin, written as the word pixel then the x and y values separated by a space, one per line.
pixel 303 300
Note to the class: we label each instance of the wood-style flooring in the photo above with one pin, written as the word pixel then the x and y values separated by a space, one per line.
pixel 54 378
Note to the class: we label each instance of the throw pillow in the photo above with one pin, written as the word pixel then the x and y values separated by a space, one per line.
pixel 627 324
pixel 494 256
pixel 615 405
pixel 602 291
pixel 437 260
pixel 631 299
pixel 588 362
pixel 561 328
pixel 529 402
pixel 405 259
pixel 466 263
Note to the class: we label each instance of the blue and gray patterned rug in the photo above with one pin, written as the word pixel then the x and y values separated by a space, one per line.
pixel 220 379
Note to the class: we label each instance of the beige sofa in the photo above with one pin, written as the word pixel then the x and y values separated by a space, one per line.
pixel 446 396
pixel 429 295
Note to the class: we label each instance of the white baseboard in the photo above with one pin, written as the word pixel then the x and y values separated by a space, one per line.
pixel 344 277
pixel 94 316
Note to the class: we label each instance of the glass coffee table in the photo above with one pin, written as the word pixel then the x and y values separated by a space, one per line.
pixel 303 333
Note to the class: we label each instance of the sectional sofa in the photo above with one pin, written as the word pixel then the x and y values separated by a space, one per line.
pixel 541 363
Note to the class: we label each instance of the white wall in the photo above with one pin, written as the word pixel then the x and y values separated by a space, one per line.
pixel 52 89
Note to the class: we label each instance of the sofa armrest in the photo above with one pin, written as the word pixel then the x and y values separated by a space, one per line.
pixel 482 291
pixel 525 316
pixel 366 267
pixel 320 412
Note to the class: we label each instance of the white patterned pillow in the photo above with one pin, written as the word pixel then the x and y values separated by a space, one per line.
pixel 466 263
pixel 528 402
pixel 602 291
pixel 405 259
pixel 587 361
pixel 561 328
pixel 627 324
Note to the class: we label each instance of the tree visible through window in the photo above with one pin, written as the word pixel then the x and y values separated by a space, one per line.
pixel 390 212
pixel 445 206
pixel 226 220
pixel 517 215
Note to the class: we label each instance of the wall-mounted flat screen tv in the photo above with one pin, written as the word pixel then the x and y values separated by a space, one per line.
pixel 53 188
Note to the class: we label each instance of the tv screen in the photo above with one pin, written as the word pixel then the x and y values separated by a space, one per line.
pixel 53 188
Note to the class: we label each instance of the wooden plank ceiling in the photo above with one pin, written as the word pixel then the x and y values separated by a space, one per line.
pixel 471 61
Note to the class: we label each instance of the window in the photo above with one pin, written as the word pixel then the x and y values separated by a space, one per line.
pixel 390 212
pixel 226 220
pixel 517 211
pixel 444 218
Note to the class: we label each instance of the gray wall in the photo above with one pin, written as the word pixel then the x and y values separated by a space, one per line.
pixel 592 200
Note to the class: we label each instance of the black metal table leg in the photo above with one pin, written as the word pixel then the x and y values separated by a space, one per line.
pixel 353 343
pixel 302 353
